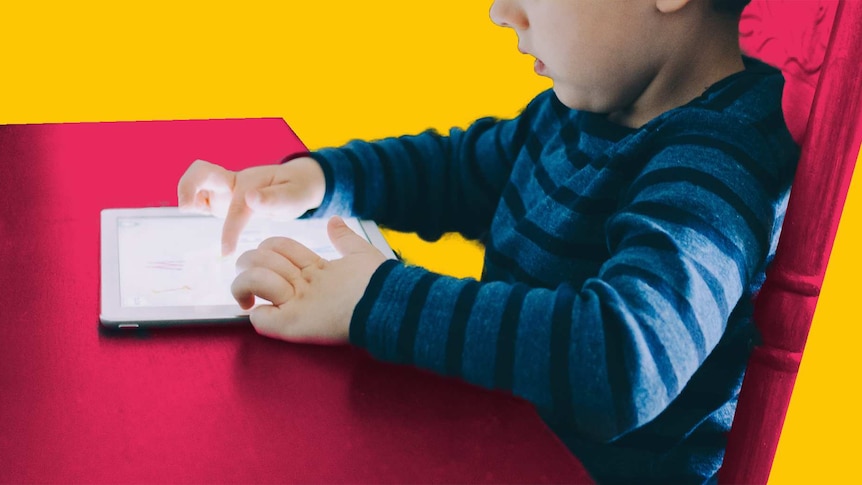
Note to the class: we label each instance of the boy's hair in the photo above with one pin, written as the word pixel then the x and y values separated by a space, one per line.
pixel 730 6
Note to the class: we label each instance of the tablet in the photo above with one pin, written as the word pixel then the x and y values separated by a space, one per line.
pixel 163 267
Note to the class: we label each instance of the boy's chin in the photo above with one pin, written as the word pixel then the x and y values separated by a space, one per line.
pixel 572 98
pixel 579 100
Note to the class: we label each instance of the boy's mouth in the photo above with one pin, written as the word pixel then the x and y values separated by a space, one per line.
pixel 539 67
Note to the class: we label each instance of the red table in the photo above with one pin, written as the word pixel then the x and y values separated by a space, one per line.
pixel 78 404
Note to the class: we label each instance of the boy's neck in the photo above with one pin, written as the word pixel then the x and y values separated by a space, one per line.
pixel 694 64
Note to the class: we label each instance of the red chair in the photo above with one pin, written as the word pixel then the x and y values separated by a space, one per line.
pixel 818 45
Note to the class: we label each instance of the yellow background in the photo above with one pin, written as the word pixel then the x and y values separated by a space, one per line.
pixel 336 70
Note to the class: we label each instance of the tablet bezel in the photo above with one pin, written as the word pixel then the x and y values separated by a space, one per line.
pixel 111 312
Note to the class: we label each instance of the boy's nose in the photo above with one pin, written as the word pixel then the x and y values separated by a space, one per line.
pixel 508 13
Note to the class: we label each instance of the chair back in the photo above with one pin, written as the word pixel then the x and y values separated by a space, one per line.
pixel 818 46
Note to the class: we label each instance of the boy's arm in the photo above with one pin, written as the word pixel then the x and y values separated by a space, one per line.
pixel 610 355
pixel 428 183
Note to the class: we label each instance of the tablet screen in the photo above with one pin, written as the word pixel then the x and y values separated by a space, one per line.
pixel 176 261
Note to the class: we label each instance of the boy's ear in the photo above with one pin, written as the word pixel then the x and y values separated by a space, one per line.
pixel 670 6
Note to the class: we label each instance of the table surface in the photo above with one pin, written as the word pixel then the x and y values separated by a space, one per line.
pixel 214 404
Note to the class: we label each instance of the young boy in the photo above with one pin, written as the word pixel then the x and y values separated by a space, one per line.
pixel 628 216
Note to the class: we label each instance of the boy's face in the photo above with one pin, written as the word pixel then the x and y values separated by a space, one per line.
pixel 601 54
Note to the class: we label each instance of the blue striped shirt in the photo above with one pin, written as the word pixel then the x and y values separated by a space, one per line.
pixel 620 264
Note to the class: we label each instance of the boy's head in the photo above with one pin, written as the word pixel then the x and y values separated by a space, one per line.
pixel 632 59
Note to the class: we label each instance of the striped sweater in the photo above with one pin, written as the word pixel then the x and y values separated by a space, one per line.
pixel 620 264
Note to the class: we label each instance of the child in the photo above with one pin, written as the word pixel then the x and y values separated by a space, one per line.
pixel 628 216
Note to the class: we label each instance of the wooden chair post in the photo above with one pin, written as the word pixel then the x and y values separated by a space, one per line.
pixel 785 306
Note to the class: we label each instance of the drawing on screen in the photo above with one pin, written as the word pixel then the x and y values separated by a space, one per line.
pixel 172 265
pixel 173 290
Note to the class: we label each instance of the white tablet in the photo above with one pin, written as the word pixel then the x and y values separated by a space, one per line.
pixel 163 267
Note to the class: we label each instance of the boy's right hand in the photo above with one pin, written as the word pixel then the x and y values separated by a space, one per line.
pixel 286 191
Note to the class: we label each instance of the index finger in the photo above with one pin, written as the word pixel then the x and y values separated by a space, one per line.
pixel 294 251
pixel 261 282
pixel 238 215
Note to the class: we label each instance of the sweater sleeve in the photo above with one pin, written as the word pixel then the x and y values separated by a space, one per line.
pixel 429 183
pixel 610 355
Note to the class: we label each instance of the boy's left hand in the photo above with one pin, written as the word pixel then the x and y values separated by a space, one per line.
pixel 312 298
